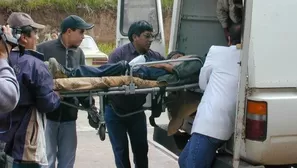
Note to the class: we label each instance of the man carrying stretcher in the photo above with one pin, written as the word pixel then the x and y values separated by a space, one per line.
pixel 140 35
pixel 178 103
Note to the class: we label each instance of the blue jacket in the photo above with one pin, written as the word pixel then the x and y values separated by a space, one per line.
pixel 36 90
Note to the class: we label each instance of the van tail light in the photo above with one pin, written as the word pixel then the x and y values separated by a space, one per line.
pixel 256 120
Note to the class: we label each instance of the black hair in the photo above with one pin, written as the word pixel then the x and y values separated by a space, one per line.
pixel 64 30
pixel 172 53
pixel 138 28
pixel 26 30
pixel 235 33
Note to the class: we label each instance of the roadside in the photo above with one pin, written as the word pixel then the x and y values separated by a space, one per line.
pixel 93 153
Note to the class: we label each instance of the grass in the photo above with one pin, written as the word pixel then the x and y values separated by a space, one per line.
pixel 167 5
pixel 67 5
pixel 107 48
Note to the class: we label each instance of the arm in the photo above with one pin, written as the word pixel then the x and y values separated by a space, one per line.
pixel 166 67
pixel 235 13
pixel 114 57
pixel 9 90
pixel 82 58
pixel 222 14
pixel 9 87
pixel 205 73
pixel 46 99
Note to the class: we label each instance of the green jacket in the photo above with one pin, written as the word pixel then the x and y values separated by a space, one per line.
pixel 184 73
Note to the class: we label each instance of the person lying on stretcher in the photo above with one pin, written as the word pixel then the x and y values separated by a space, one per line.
pixel 151 72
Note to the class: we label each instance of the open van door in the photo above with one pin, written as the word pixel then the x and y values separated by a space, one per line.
pixel 195 26
pixel 130 11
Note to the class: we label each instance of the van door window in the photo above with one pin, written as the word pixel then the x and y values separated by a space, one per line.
pixel 135 10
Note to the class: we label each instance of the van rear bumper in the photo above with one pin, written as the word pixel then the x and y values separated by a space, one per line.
pixel 273 151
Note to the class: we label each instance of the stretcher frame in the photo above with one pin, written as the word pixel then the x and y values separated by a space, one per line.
pixel 129 89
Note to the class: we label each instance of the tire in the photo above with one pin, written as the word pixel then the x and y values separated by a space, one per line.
pixel 102 132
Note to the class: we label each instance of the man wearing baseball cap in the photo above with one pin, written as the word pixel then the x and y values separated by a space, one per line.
pixel 22 130
pixel 24 22
pixel 20 19
pixel 61 139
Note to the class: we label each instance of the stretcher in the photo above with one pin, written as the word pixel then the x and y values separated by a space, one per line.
pixel 118 85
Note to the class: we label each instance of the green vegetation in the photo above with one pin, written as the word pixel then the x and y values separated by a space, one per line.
pixel 167 5
pixel 67 5
pixel 106 48
pixel 72 6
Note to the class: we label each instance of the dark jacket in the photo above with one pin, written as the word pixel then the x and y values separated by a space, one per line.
pixel 125 104
pixel 70 58
pixel 36 90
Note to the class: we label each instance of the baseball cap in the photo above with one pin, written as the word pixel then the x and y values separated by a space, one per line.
pixel 75 22
pixel 20 19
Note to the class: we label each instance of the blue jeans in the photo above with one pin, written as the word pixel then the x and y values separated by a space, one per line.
pixel 26 165
pixel 135 127
pixel 199 152
pixel 61 143
pixel 149 73
pixel 104 70
pixel 116 69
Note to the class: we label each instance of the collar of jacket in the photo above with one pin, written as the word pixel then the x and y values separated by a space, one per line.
pixel 33 53
pixel 61 44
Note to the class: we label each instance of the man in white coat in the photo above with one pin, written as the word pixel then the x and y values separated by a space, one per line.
pixel 214 121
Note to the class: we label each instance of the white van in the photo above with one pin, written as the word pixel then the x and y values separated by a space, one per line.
pixel 266 123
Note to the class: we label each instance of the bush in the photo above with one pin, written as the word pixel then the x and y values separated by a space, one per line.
pixel 68 5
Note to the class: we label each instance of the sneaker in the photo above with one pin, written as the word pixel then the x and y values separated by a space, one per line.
pixel 56 69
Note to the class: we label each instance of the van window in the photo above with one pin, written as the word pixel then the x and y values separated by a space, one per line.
pixel 135 10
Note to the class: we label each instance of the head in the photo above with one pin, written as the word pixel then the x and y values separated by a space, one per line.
pixel 175 54
pixel 54 35
pixel 235 34
pixel 72 29
pixel 27 26
pixel 141 35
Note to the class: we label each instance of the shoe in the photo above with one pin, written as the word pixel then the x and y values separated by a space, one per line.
pixel 93 117
pixel 56 69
